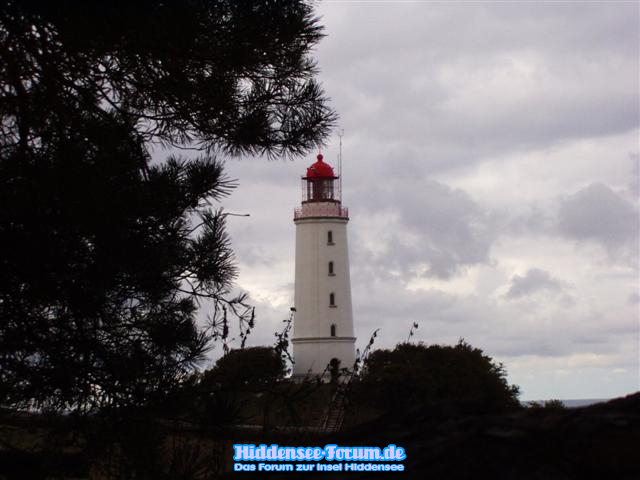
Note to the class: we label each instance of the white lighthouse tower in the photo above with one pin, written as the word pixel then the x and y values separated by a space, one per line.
pixel 323 337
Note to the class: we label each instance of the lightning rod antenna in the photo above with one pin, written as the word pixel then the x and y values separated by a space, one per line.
pixel 340 160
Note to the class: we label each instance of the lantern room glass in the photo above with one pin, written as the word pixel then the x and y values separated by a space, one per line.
pixel 320 190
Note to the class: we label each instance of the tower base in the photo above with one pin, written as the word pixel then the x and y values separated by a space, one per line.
pixel 323 357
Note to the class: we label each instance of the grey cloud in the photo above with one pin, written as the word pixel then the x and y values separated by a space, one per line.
pixel 458 85
pixel 500 329
pixel 454 231
pixel 597 213
pixel 535 280
pixel 536 220
pixel 457 30
pixel 253 256
pixel 436 225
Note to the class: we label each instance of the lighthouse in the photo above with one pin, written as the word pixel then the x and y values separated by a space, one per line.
pixel 323 337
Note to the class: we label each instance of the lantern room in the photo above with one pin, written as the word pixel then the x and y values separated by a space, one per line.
pixel 320 184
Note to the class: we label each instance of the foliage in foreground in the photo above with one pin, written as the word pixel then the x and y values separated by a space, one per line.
pixel 221 394
pixel 98 294
pixel 549 405
pixel 106 255
pixel 414 375
pixel 252 368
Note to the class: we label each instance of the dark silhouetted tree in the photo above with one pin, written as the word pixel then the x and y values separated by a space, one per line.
pixel 550 405
pixel 105 255
pixel 416 374
pixel 222 393
pixel 245 369
pixel 216 74
pixel 102 268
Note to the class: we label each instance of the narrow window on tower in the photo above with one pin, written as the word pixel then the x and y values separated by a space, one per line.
pixel 331 272
pixel 333 330
pixel 332 299
pixel 329 237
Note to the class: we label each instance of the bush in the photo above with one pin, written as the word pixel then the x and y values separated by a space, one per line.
pixel 245 369
pixel 416 374
pixel 233 390
pixel 554 405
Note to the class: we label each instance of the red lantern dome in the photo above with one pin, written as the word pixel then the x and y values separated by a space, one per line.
pixel 320 170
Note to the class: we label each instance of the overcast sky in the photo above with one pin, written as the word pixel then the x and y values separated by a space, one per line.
pixel 491 172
